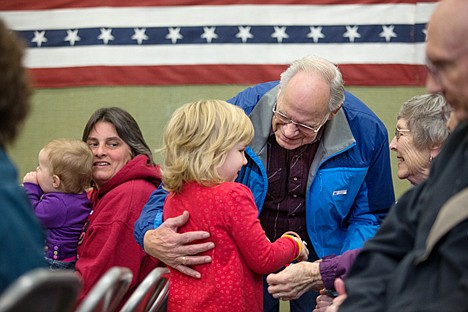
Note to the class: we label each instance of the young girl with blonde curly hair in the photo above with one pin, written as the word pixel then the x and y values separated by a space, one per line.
pixel 204 144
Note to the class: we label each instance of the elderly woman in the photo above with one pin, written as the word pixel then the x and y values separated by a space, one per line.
pixel 124 175
pixel 420 132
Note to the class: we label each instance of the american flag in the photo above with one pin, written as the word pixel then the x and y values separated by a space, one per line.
pixel 167 42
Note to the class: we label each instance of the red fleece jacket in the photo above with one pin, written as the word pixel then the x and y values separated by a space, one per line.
pixel 108 240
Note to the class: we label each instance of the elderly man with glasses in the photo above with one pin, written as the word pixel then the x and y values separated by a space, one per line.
pixel 323 170
pixel 327 159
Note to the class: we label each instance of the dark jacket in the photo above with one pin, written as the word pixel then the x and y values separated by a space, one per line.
pixel 415 263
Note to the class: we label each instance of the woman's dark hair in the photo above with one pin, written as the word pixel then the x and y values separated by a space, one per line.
pixel 126 126
pixel 15 91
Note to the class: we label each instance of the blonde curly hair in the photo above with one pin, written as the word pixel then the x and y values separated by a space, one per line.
pixel 197 139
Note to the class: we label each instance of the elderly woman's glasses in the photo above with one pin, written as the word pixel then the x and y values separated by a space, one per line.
pixel 399 132
pixel 305 129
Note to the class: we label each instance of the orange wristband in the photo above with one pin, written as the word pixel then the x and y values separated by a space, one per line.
pixel 293 234
pixel 297 240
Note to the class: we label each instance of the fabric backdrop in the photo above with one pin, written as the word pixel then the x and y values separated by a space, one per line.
pixel 169 42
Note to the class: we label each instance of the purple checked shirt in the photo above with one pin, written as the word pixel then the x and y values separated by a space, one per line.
pixel 284 209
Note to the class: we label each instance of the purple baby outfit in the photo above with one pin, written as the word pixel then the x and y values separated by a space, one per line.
pixel 63 215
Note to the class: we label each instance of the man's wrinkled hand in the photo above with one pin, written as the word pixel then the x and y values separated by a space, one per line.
pixel 178 250
pixel 295 280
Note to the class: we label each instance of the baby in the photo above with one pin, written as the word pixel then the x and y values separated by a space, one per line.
pixel 57 191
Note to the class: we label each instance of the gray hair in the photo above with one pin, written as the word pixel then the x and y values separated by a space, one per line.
pixel 327 70
pixel 425 120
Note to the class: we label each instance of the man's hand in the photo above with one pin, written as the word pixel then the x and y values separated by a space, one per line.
pixel 175 249
pixel 295 280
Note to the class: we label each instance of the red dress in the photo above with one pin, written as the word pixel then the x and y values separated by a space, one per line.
pixel 242 253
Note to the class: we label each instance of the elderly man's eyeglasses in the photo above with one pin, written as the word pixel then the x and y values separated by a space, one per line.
pixel 305 129
pixel 399 132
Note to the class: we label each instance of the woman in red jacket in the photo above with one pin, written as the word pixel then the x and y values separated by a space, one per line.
pixel 124 175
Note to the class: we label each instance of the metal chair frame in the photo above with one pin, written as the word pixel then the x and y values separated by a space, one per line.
pixel 42 290
pixel 108 292
pixel 151 294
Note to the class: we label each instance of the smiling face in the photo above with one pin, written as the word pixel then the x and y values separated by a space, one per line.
pixel 304 100
pixel 110 152
pixel 413 164
pixel 235 159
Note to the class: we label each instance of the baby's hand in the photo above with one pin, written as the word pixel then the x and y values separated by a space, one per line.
pixel 30 177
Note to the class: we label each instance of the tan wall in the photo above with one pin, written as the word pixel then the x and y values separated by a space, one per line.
pixel 61 113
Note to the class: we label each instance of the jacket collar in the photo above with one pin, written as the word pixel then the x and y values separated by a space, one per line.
pixel 452 213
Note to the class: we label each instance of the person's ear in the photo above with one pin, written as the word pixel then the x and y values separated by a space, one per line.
pixel 333 113
pixel 56 181
pixel 435 150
